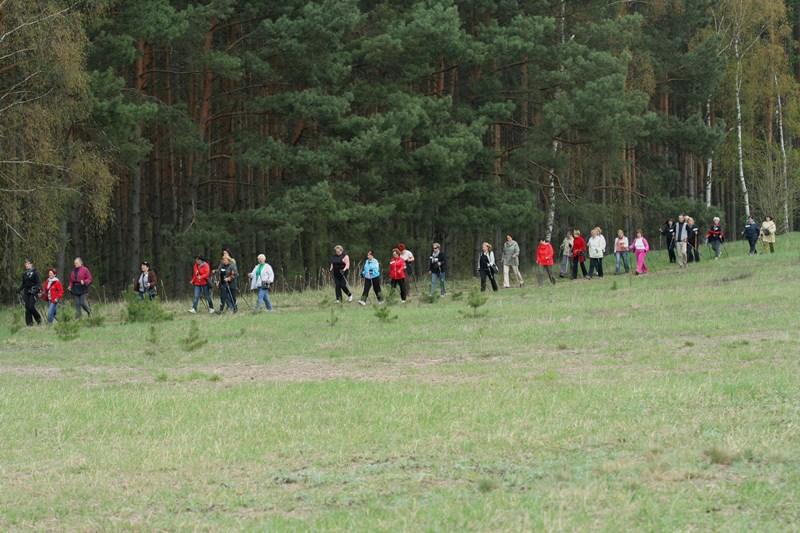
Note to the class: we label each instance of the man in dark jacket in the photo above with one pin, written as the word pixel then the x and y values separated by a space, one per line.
pixel 668 231
pixel 438 268
pixel 228 276
pixel 31 284
pixel 751 233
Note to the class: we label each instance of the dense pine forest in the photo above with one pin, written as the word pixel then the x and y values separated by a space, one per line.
pixel 159 129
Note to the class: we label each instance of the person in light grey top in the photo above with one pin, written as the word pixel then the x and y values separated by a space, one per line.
pixel 511 262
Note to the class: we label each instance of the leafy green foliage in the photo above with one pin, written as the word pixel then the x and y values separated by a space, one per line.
pixel 194 340
pixel 144 310
pixel 475 300
pixel 67 328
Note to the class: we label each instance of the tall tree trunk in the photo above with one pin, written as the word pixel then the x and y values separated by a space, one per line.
pixel 710 160
pixel 135 236
pixel 551 182
pixel 742 181
pixel 784 165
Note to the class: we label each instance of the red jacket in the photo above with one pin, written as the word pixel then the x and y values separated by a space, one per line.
pixel 76 276
pixel 56 292
pixel 200 274
pixel 544 254
pixel 579 247
pixel 397 268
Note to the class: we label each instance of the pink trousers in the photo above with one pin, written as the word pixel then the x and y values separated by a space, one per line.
pixel 641 266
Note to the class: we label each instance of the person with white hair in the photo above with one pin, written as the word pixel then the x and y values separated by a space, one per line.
pixel 715 237
pixel 261 279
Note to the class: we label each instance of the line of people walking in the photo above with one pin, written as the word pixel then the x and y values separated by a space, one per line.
pixel 682 236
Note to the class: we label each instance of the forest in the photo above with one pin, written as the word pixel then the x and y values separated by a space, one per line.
pixel 161 129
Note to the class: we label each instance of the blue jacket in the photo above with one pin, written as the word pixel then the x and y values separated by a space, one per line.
pixel 751 231
pixel 371 270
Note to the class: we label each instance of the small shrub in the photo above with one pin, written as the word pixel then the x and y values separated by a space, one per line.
pixel 161 377
pixel 138 310
pixel 384 314
pixel 193 339
pixel 95 321
pixel 614 286
pixel 67 328
pixel 16 323
pixel 391 298
pixel 334 318
pixel 214 377
pixel 152 341
pixel 718 456
pixel 475 300
pixel 486 485
pixel 428 298
pixel 456 295
pixel 562 346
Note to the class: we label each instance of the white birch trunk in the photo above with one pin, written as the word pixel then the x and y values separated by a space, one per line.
pixel 745 194
pixel 710 160
pixel 784 167
pixel 551 183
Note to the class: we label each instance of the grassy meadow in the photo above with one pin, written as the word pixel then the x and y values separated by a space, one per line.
pixel 664 402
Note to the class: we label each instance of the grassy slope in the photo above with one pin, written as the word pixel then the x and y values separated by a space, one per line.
pixel 670 403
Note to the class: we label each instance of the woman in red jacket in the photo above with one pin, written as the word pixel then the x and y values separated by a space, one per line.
pixel 201 273
pixel 397 273
pixel 545 260
pixel 578 254
pixel 52 293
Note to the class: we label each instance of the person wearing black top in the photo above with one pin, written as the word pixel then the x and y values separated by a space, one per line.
pixel 668 231
pixel 31 284
pixel 228 275
pixel 438 268
pixel 487 266
pixel 693 247
pixel 715 237
pixel 340 267
pixel 751 233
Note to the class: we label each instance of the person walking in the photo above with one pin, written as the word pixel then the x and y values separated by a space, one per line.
pixel 751 232
pixel 145 283
pixel 681 241
pixel 438 269
pixel 397 274
pixel 201 282
pixel 640 249
pixel 80 279
pixel 578 254
pixel 545 261
pixel 340 267
pixel 693 247
pixel 566 255
pixel 511 262
pixel 53 294
pixel 30 287
pixel 597 249
pixel 621 253
pixel 372 277
pixel 768 230
pixel 228 283
pixel 261 279
pixel 487 268
pixel 408 257
pixel 668 231
pixel 715 237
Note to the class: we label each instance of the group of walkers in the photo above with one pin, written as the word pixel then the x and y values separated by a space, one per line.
pixel 682 236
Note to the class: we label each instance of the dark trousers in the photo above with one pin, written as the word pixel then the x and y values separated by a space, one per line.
pixel 753 243
pixel 488 274
pixel 227 295
pixel 375 285
pixel 81 303
pixel 596 265
pixel 31 313
pixel 692 253
pixel 575 262
pixel 401 284
pixel 340 284
pixel 671 251
pixel 541 271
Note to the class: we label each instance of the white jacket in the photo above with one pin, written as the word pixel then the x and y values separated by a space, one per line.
pixel 597 247
pixel 267 277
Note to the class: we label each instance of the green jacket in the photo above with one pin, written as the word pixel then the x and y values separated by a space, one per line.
pixel 511 253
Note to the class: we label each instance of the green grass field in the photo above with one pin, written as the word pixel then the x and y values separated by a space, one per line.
pixel 667 402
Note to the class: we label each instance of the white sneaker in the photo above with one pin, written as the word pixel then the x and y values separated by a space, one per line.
pixel 211 311
pixel 350 298
pixel 192 310
pixel 402 301
pixel 362 302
